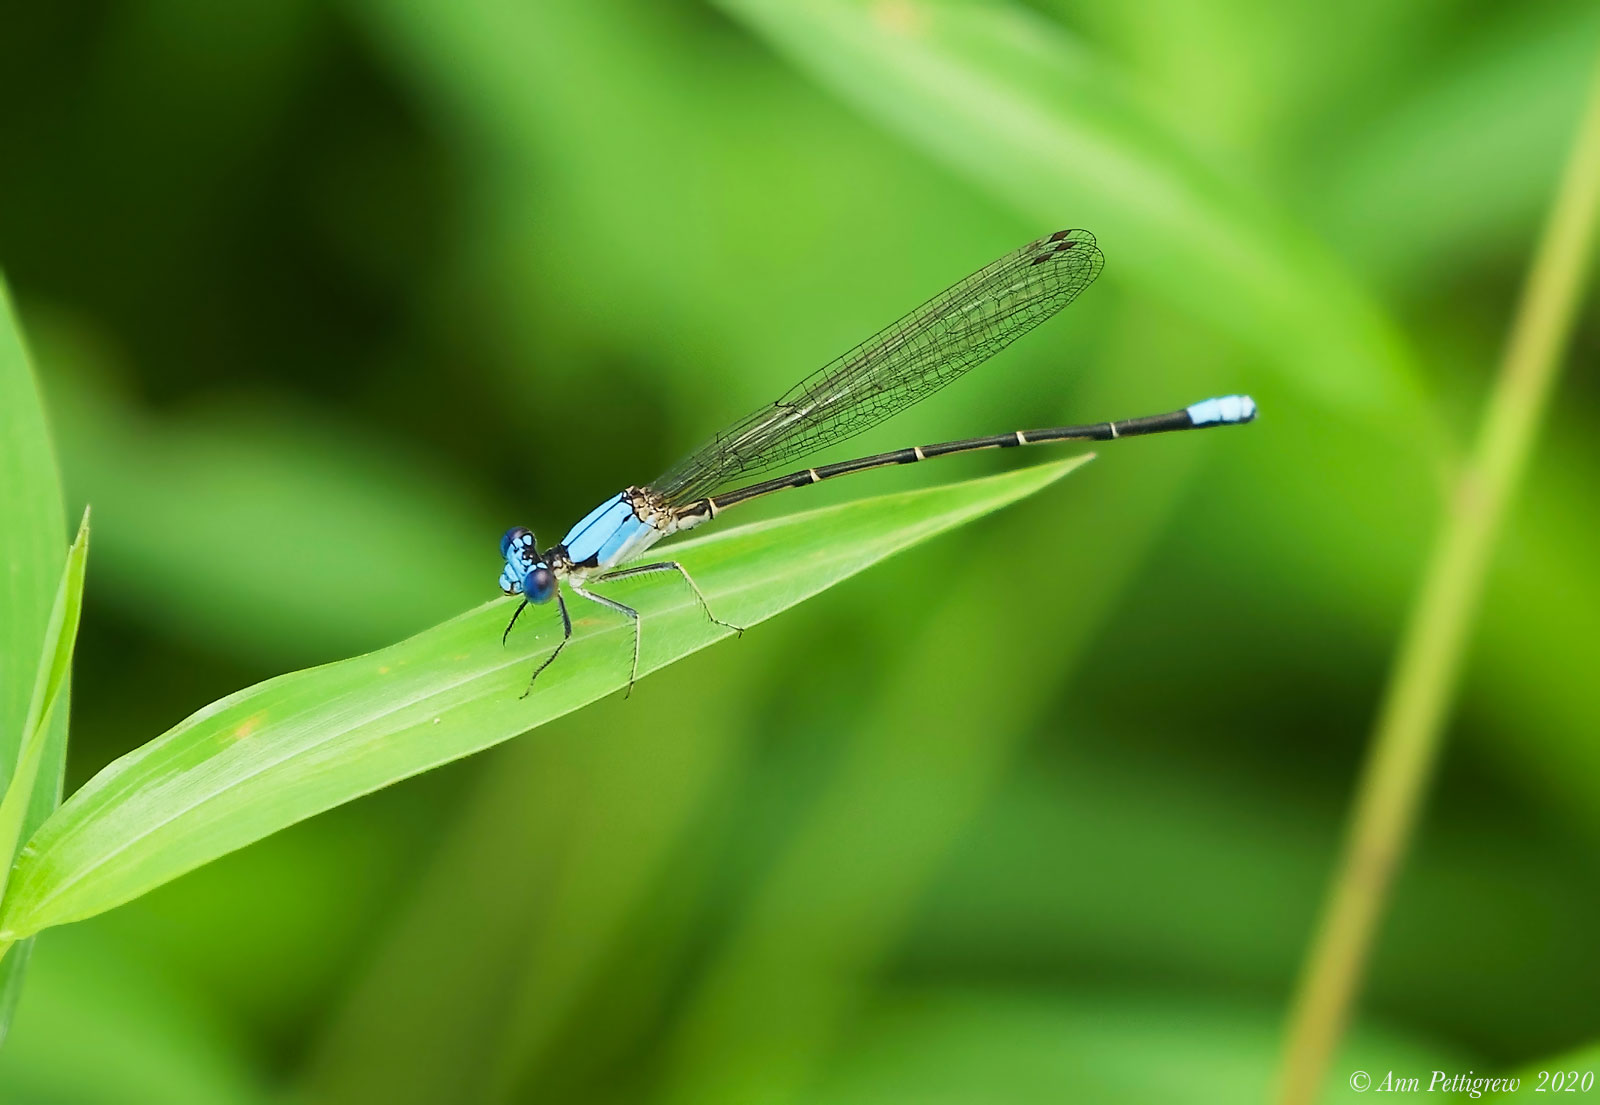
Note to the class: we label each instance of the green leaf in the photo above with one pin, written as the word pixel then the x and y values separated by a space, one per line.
pixel 32 544
pixel 32 549
pixel 33 531
pixel 1005 98
pixel 49 689
pixel 276 753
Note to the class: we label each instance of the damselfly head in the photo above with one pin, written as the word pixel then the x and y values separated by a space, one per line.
pixel 516 536
pixel 517 546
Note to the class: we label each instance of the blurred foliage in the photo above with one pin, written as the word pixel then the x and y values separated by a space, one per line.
pixel 324 296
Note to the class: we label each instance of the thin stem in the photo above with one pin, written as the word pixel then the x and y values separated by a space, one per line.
pixel 1422 682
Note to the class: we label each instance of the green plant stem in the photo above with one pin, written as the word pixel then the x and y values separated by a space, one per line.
pixel 1423 679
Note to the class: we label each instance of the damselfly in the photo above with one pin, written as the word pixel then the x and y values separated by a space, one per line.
pixel 910 360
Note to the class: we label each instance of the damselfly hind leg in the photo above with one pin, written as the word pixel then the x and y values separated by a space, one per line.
pixel 566 635
pixel 672 566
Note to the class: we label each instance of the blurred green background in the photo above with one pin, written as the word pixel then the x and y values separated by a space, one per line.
pixel 325 296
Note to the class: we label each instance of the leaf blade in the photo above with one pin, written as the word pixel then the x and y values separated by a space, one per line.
pixel 274 754
pixel 33 528
pixel 49 689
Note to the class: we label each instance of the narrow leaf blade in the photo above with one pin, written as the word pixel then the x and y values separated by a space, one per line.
pixel 33 530
pixel 33 534
pixel 49 689
pixel 281 751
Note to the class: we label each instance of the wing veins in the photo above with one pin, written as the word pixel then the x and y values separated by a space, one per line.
pixel 898 366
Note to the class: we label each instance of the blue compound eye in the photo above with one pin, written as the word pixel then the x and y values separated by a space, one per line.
pixel 539 585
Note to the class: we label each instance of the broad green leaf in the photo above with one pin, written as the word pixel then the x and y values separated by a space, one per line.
pixel 1005 98
pixel 283 750
pixel 32 550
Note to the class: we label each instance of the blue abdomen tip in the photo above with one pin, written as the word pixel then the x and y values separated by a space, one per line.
pixel 1225 409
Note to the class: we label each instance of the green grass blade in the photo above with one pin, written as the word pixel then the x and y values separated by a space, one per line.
pixel 286 749
pixel 49 689
pixel 33 532
pixel 1008 100
pixel 32 550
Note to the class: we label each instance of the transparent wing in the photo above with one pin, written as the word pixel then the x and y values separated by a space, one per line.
pixel 900 365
